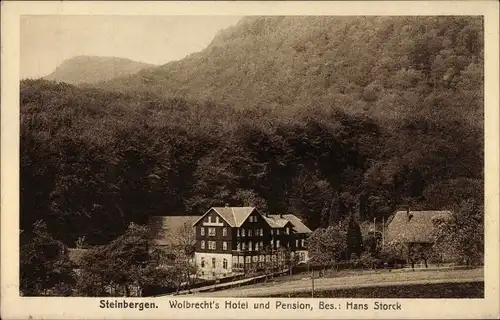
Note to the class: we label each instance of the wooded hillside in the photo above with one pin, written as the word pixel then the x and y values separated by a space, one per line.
pixel 384 67
pixel 92 161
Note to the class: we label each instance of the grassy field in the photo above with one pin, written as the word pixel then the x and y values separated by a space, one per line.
pixel 433 283
pixel 434 291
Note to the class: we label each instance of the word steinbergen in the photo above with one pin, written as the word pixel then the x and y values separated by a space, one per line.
pixel 116 304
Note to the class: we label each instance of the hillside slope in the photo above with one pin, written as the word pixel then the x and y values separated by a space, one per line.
pixel 92 69
pixel 386 67
pixel 90 161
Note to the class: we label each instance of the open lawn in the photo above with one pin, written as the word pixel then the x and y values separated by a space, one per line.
pixel 287 286
pixel 448 290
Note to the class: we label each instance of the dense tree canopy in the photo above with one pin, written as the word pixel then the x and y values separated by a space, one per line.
pixel 347 116
pixel 94 161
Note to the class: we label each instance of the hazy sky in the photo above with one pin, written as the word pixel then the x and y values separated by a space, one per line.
pixel 48 40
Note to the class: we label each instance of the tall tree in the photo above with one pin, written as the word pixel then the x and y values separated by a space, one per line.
pixel 461 236
pixel 45 268
pixel 354 238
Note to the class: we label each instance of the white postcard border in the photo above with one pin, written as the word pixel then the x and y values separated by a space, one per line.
pixel 15 307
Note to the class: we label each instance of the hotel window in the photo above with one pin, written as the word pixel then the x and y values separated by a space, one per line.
pixel 213 263
pixel 217 219
pixel 211 245
pixel 272 231
pixel 209 219
pixel 287 230
pixel 242 232
pixel 203 262
pixel 202 231
pixel 277 243
pixel 224 245
pixel 248 259
pixel 272 243
pixel 255 258
pixel 238 232
pixel 277 232
pixel 249 232
pixel 202 245
pixel 296 242
pixel 250 219
pixel 261 246
pixel 238 246
pixel 243 246
pixel 224 232
pixel 303 243
pixel 211 232
pixel 250 246
pixel 261 232
pixel 224 263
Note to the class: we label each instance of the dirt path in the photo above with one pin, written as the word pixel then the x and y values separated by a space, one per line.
pixel 357 281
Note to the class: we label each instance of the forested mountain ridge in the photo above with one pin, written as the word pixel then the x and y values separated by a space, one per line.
pixel 93 69
pixel 388 68
pixel 93 161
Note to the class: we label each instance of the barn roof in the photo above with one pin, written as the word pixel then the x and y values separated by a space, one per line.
pixel 167 229
pixel 413 226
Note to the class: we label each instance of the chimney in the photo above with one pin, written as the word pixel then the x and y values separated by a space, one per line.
pixel 227 205
pixel 281 215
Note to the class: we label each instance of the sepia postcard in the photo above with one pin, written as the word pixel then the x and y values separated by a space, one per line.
pixel 250 160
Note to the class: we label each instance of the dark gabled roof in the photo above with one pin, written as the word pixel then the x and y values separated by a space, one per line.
pixel 415 226
pixel 234 216
pixel 167 229
pixel 297 223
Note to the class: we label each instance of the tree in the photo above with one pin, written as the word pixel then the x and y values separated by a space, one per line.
pixel 268 262
pixel 327 246
pixel 45 268
pixel 181 264
pixel 461 236
pixel 125 264
pixel 395 250
pixel 354 238
pixel 368 260
pixel 372 242
pixel 291 259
